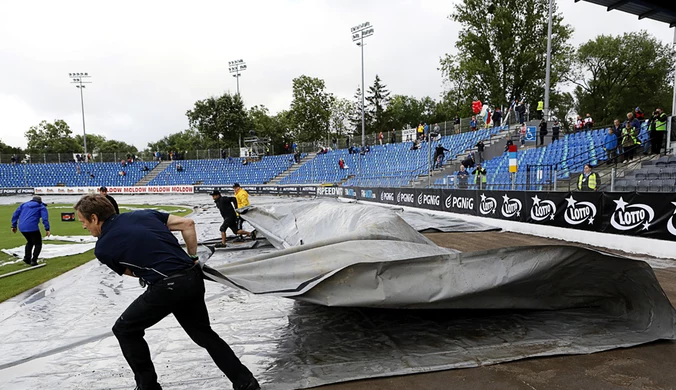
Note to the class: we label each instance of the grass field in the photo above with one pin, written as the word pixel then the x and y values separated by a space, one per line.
pixel 16 284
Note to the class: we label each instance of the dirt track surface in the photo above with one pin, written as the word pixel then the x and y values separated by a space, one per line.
pixel 649 366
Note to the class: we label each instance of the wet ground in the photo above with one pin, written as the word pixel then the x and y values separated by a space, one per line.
pixel 648 366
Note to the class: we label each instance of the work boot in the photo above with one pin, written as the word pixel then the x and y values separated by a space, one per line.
pixel 34 262
pixel 252 384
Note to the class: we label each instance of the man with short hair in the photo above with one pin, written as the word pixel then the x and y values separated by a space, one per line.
pixel 28 216
pixel 658 127
pixel 588 180
pixel 104 191
pixel 140 244
pixel 227 206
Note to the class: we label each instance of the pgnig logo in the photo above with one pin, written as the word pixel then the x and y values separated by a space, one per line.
pixel 405 197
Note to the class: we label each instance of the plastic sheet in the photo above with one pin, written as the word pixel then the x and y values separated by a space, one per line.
pixel 50 251
pixel 57 336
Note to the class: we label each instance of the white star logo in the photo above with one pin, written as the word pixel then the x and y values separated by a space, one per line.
pixel 571 201
pixel 591 220
pixel 483 197
pixel 551 218
pixel 536 200
pixel 646 226
pixel 620 204
pixel 505 198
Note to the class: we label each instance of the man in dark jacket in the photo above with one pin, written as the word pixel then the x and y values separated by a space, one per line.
pixel 227 206
pixel 438 159
pixel 497 117
pixel 543 131
pixel 141 244
pixel 104 191
pixel 658 128
pixel 28 216
pixel 556 129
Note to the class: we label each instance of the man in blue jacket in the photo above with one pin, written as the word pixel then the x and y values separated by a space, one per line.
pixel 28 215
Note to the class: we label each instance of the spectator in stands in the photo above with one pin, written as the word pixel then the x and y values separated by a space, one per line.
pixel 610 145
pixel 480 150
pixel 341 164
pixel 91 175
pixel 480 176
pixel 426 131
pixel 367 148
pixel 456 124
pixel 380 138
pixel 77 169
pixel 123 163
pixel 497 117
pixel 438 159
pixel 28 216
pixel 468 162
pixel 629 141
pixel 472 123
pixel 393 137
pixel 296 157
pixel 415 145
pixel 588 122
pixel 421 130
pixel 436 129
pixel 145 168
pixel 294 146
pixel 335 143
pixel 556 129
pixel 588 180
pixel 122 173
pixel 579 124
pixel 462 177
pixel 638 114
pixel 543 131
pixel 13 159
pixel 634 122
pixel 658 127
pixel 179 168
pixel 103 191
pixel 286 148
pixel 521 112
pixel 347 142
pixel 510 143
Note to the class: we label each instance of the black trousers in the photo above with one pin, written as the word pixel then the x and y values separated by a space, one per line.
pixel 656 141
pixel 183 295
pixel 33 245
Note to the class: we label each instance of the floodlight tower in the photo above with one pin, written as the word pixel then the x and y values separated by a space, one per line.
pixel 236 67
pixel 79 79
pixel 360 32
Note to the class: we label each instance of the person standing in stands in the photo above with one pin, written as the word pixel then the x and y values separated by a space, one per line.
pixel 227 206
pixel 630 141
pixel 543 131
pixel 393 137
pixel 556 129
pixel 497 117
pixel 28 216
pixel 456 124
pixel 472 123
pixel 480 146
pixel 141 244
pixel 480 176
pixel 104 191
pixel 335 143
pixel 610 145
pixel 438 159
pixel 588 181
pixel 658 127
pixel 462 177
pixel 617 130
pixel 588 122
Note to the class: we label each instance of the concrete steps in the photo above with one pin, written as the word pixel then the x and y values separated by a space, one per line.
pixel 277 179
pixel 153 173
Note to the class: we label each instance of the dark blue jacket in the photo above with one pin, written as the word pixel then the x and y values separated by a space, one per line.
pixel 610 142
pixel 29 214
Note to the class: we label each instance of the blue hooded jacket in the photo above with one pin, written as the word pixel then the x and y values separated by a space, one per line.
pixel 610 141
pixel 29 214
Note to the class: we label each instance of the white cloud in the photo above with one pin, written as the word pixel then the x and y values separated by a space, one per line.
pixel 151 60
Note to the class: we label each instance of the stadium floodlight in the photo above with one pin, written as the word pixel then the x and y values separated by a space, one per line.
pixel 79 79
pixel 546 112
pixel 236 67
pixel 360 32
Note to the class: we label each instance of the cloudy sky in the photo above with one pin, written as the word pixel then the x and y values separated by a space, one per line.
pixel 151 60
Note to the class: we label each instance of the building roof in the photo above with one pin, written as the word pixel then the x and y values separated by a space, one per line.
pixel 660 10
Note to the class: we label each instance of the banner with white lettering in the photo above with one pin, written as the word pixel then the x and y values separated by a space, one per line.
pixel 405 197
pixel 545 208
pixel 582 210
pixel 507 205
pixel 459 201
pixel 640 214
pixel 428 198
pixel 16 191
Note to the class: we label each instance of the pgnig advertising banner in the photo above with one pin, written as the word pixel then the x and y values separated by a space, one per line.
pixel 636 214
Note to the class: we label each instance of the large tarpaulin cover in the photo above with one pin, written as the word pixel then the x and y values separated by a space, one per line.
pixel 57 336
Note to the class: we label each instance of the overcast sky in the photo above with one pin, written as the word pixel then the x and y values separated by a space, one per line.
pixel 150 61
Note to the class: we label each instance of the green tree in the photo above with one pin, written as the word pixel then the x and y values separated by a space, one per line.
pixel 340 117
pixel 310 109
pixel 6 149
pixel 266 125
pixel 223 117
pixel 502 51
pixel 355 115
pixel 52 138
pixel 377 97
pixel 614 74
pixel 183 141
pixel 100 144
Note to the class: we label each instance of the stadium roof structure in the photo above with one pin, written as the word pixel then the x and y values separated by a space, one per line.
pixel 659 10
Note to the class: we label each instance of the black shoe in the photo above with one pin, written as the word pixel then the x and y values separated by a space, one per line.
pixel 239 239
pixel 34 263
pixel 220 245
pixel 252 384
pixel 27 261
pixel 254 234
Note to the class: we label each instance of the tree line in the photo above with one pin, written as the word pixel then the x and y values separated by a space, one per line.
pixel 500 56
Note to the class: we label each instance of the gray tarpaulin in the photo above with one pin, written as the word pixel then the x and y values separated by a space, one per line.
pixel 57 336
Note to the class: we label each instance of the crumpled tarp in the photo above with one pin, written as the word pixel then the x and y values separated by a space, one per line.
pixel 57 336
pixel 50 251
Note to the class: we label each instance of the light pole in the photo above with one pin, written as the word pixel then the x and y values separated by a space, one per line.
pixel 236 67
pixel 358 34
pixel 549 63
pixel 79 80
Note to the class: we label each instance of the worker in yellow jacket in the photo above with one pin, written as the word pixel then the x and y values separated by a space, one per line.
pixel 242 201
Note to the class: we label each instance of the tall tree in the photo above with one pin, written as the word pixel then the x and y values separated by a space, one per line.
pixel 502 50
pixel 223 117
pixel 614 74
pixel 267 125
pixel 310 109
pixel 186 140
pixel 340 123
pixel 100 144
pixel 355 115
pixel 378 97
pixel 52 138
pixel 7 149
pixel 405 112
